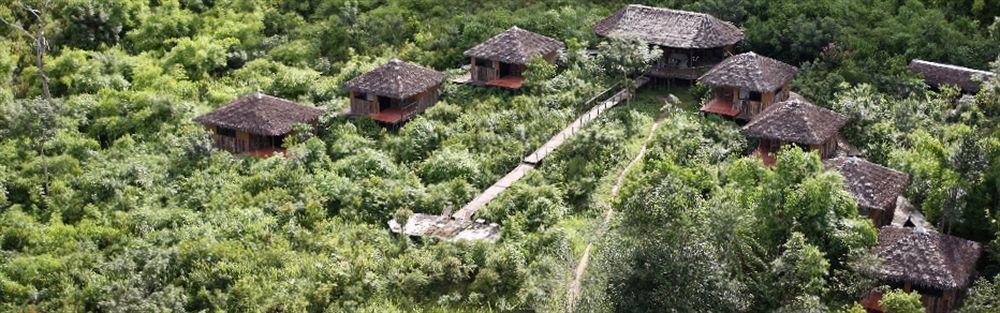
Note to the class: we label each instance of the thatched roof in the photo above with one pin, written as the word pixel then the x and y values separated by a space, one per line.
pixel 871 185
pixel 396 79
pixel 936 74
pixel 260 114
pixel 795 120
pixel 926 258
pixel 515 46
pixel 669 28
pixel 751 71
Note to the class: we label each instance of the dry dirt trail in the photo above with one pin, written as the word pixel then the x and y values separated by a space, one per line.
pixel 573 290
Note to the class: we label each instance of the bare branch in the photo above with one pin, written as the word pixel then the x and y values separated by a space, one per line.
pixel 17 27
pixel 30 9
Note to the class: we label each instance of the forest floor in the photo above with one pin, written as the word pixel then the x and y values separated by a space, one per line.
pixel 654 95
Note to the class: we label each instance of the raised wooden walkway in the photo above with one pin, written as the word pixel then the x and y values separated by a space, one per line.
pixel 536 157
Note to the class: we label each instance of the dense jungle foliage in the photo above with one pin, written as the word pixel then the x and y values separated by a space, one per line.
pixel 112 199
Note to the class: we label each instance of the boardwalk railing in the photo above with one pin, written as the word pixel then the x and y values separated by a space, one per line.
pixel 536 157
pixel 539 154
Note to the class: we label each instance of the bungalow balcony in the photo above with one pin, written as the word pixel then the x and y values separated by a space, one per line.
pixel 497 74
pixel 721 106
pixel 257 146
pixel 766 156
pixel 664 70
pixel 686 64
pixel 392 111
pixel 397 114
pixel 509 82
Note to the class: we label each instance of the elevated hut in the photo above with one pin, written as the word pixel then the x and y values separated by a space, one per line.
pixel 940 267
pixel 795 122
pixel 394 92
pixel 875 188
pixel 691 42
pixel 938 74
pixel 747 83
pixel 256 124
pixel 500 61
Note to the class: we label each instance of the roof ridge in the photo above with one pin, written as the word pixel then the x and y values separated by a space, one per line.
pixel 668 9
pixel 955 67
pixel 759 70
pixel 669 27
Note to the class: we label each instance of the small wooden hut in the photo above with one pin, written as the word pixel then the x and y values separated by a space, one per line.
pixel 691 42
pixel 394 92
pixel 500 61
pixel 797 122
pixel 747 83
pixel 256 124
pixel 940 267
pixel 875 188
pixel 938 74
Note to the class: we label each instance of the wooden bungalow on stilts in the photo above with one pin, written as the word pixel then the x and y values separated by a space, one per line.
pixel 939 267
pixel 797 122
pixel 500 61
pixel 257 124
pixel 745 84
pixel 875 188
pixel 394 92
pixel 691 42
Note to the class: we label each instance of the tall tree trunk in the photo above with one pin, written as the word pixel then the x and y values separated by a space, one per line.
pixel 41 46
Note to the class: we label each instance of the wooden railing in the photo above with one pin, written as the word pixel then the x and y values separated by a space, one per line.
pixel 413 109
pixel 744 108
pixel 360 107
pixel 673 71
pixel 231 144
pixel 485 74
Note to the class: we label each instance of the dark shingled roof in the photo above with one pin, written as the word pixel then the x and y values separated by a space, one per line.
pixel 669 28
pixel 396 79
pixel 926 258
pixel 871 185
pixel 260 114
pixel 795 121
pixel 937 74
pixel 751 71
pixel 515 46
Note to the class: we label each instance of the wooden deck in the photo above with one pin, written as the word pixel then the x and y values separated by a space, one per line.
pixel 390 115
pixel 720 106
pixel 768 158
pixel 686 73
pixel 509 82
pixel 264 153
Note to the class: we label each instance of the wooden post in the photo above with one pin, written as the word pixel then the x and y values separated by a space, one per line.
pixel 473 69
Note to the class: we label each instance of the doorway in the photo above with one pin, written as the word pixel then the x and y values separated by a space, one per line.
pixel 505 69
pixel 384 103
